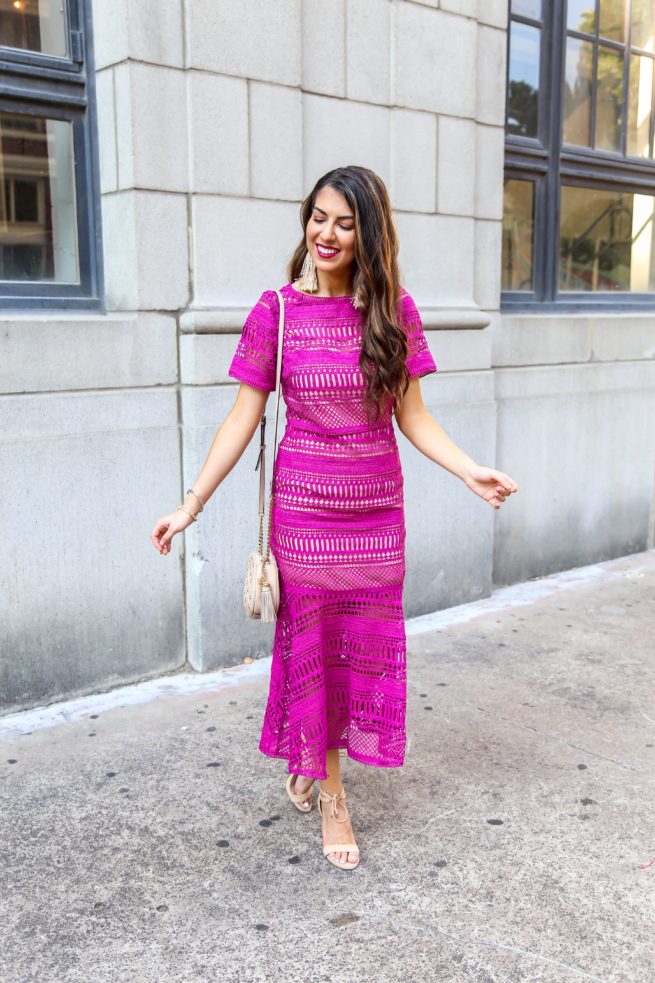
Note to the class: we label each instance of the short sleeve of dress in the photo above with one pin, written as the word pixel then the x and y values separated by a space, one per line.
pixel 419 358
pixel 254 361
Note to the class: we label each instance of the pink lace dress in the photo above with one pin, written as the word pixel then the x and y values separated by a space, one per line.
pixel 338 674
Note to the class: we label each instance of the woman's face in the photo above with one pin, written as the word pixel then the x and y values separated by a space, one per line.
pixel 332 224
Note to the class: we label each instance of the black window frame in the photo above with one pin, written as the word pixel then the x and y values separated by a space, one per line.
pixel 548 162
pixel 62 88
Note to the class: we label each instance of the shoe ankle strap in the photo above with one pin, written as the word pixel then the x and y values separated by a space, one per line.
pixel 334 798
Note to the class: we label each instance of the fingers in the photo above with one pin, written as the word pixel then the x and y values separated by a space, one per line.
pixel 500 495
pixel 502 491
pixel 167 537
pixel 165 529
pixel 155 535
pixel 161 536
pixel 508 484
pixel 160 545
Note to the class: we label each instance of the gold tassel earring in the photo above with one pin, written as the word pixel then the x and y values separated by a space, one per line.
pixel 308 280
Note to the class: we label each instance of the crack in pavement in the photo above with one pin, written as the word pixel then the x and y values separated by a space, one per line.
pixel 422 925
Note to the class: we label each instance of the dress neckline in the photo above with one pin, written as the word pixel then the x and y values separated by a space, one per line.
pixel 299 293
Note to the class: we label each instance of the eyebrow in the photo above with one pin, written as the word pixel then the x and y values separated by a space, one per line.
pixel 317 209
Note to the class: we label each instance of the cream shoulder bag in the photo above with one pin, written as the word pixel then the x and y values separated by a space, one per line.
pixel 261 590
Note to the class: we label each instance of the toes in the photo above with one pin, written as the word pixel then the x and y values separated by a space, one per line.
pixel 344 857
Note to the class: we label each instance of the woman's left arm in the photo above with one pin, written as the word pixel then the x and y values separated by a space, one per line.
pixel 429 437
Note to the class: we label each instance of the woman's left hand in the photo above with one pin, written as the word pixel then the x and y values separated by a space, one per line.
pixel 491 485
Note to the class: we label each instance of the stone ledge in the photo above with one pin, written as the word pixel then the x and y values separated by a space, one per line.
pixel 230 320
pixel 109 414
pixel 539 339
pixel 580 380
pixel 56 351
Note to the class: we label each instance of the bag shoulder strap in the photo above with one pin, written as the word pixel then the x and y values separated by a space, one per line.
pixel 261 459
pixel 278 374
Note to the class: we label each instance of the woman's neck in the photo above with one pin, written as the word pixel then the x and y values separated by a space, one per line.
pixel 332 286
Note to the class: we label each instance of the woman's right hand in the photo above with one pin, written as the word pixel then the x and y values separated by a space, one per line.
pixel 166 527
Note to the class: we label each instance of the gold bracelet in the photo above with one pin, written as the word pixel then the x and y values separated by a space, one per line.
pixel 192 491
pixel 195 519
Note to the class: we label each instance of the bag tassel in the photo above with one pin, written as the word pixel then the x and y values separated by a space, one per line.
pixel 267 608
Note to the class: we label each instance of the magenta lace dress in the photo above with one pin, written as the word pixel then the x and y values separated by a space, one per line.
pixel 338 674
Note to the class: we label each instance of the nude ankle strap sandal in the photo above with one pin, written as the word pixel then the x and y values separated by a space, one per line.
pixel 299 799
pixel 334 801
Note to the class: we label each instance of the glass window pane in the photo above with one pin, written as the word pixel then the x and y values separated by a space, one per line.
pixel 643 24
pixel 577 92
pixel 522 99
pixel 38 227
pixel 606 241
pixel 640 106
pixel 609 99
pixel 527 8
pixel 581 16
pixel 34 25
pixel 611 19
pixel 518 235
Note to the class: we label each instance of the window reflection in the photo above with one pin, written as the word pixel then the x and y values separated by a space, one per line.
pixel 38 228
pixel 609 98
pixel 640 106
pixel 527 8
pixel 605 210
pixel 581 16
pixel 522 98
pixel 606 241
pixel 596 75
pixel 643 24
pixel 518 235
pixel 34 25
pixel 611 19
pixel 577 91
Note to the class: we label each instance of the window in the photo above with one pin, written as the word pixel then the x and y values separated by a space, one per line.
pixel 49 194
pixel 579 200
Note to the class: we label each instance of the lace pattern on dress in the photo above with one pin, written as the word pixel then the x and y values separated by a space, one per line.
pixel 338 673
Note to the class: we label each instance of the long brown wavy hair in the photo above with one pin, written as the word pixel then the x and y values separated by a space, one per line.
pixel 376 279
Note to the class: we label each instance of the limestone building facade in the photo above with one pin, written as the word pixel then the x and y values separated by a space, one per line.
pixel 199 127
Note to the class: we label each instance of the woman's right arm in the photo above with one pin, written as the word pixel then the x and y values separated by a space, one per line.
pixel 231 440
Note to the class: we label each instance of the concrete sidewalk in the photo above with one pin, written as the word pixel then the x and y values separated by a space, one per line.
pixel 145 838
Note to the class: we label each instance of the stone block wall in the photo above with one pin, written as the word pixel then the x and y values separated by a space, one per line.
pixel 216 117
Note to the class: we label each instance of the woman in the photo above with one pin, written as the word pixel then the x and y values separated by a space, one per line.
pixel 353 354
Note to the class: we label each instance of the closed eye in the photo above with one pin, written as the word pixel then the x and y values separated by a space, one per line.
pixel 346 228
